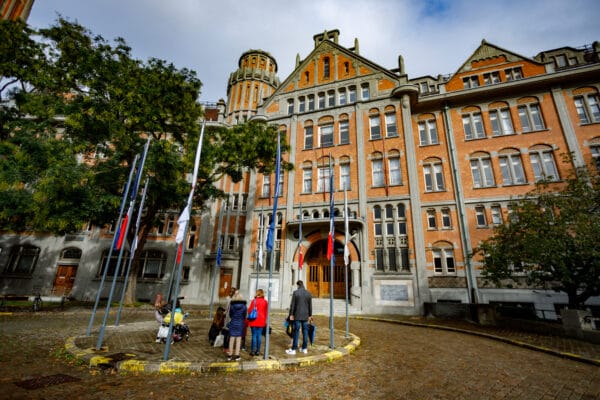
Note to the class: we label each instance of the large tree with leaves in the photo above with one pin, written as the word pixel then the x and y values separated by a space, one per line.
pixel 551 236
pixel 79 109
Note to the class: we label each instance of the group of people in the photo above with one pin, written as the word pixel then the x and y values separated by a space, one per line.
pixel 233 321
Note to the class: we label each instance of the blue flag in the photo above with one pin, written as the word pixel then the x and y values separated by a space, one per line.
pixel 271 232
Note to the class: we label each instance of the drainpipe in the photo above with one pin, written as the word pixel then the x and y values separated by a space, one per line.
pixel 460 206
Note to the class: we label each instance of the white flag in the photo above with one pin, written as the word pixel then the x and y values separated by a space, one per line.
pixel 182 224
pixel 346 248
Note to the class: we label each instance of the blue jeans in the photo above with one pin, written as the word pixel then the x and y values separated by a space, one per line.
pixel 256 339
pixel 297 325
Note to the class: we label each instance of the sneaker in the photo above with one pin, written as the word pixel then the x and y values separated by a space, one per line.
pixel 228 358
pixel 304 351
pixel 158 340
pixel 290 352
pixel 237 358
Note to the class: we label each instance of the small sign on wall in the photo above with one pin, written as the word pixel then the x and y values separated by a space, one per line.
pixel 393 292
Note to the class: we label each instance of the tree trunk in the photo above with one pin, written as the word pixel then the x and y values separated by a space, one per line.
pixel 131 289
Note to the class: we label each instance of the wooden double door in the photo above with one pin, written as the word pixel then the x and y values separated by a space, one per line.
pixel 318 275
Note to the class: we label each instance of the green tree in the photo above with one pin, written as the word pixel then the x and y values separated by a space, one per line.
pixel 552 237
pixel 74 126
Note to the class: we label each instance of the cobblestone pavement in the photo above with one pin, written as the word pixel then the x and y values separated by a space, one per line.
pixel 393 361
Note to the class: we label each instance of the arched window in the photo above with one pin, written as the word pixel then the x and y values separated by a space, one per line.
pixel 511 167
pixel 434 175
pixel 443 259
pixel 542 163
pixel 481 170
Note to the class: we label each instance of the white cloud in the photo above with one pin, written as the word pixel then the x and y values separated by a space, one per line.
pixel 433 36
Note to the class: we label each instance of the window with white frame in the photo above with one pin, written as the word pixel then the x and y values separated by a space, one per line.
pixel 22 260
pixel 308 137
pixel 389 220
pixel 443 261
pixel 434 176
pixel 531 117
pixel 323 179
pixel 446 220
pixel 588 108
pixel 352 94
pixel 344 132
pixel 170 224
pixel 471 82
pixel 191 241
pixel 480 216
pixel 491 78
pixel 326 135
pixel 311 102
pixel 377 219
pixel 394 168
pixel 501 122
pixel 511 167
pixel 496 211
pixel 401 215
pixel 290 106
pixel 391 129
pixel 375 127
pixel 342 97
pixel 542 163
pixel 391 249
pixel 307 180
pixel 331 98
pixel 266 186
pixel 301 104
pixel 513 74
pixel 326 68
pixel 473 126
pixel 345 175
pixel 377 170
pixel 481 170
pixel 428 132
pixel 431 219
pixel 595 150
pixel 321 97
pixel 280 184
pixel 365 91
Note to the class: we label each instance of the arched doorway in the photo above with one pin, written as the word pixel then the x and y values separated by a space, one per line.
pixel 319 270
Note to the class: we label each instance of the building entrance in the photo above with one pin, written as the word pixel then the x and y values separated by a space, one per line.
pixel 319 271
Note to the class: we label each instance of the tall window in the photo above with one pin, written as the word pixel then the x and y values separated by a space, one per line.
pixel 481 169
pixel 394 168
pixel 307 180
pixel 266 186
pixel 365 92
pixel 428 132
pixel 389 220
pixel 595 149
pixel 290 106
pixel 473 126
pixel 446 220
pixel 443 261
pixel 308 137
pixel 431 219
pixel 331 98
pixel 311 102
pixel 391 250
pixel 323 179
pixel 496 215
pixel 377 220
pixel 352 94
pixel 301 104
pixel 434 177
pixel 326 135
pixel 480 216
pixel 375 127
pixel 401 219
pixel 501 122
pixel 345 175
pixel 344 132
pixel 512 168
pixel 321 100
pixel 377 170
pixel 326 68
pixel 22 260
pixel 342 96
pixel 542 163
pixel 112 266
pixel 531 117
pixel 588 108
pixel 390 125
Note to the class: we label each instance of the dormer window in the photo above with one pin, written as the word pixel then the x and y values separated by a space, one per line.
pixel 513 74
pixel 471 82
pixel 491 78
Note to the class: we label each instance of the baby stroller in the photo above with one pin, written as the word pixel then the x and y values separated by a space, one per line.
pixel 180 329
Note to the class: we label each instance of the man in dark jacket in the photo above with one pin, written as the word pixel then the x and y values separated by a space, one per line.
pixel 300 315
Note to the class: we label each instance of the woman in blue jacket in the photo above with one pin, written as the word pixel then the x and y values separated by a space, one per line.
pixel 237 313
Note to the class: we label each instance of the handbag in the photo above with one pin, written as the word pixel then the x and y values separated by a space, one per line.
pixel 219 340
pixel 253 313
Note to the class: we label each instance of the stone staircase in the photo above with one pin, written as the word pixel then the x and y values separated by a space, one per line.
pixel 322 307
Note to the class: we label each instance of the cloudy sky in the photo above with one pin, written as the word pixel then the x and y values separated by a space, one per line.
pixel 434 36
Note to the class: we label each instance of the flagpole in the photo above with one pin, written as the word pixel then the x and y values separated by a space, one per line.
pixel 132 250
pixel 180 238
pixel 115 238
pixel 300 255
pixel 261 228
pixel 122 236
pixel 270 243
pixel 217 265
pixel 331 254
pixel 346 255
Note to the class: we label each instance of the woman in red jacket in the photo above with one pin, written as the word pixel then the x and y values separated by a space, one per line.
pixel 257 325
